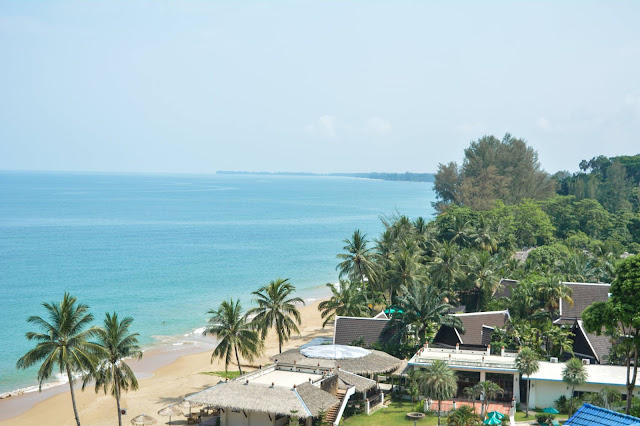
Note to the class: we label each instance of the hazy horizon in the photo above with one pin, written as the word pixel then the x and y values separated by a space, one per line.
pixel 196 87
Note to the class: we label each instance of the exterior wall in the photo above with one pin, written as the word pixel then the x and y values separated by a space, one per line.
pixel 229 418
pixel 330 385
pixel 545 392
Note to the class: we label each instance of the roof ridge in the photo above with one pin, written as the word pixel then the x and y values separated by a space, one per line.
pixel 304 405
pixel 505 311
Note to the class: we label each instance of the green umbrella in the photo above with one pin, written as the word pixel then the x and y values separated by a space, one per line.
pixel 496 414
pixel 492 421
pixel 551 410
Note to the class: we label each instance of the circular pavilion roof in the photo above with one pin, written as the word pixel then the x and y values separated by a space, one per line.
pixel 368 361
pixel 334 352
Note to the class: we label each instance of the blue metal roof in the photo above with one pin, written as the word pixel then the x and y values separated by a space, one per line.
pixel 589 415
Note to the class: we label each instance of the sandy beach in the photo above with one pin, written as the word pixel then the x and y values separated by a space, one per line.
pixel 160 386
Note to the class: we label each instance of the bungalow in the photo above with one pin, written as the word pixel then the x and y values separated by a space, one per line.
pixel 547 384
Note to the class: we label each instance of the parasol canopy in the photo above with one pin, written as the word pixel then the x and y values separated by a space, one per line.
pixel 170 410
pixel 551 410
pixel 491 420
pixel 143 419
pixel 497 414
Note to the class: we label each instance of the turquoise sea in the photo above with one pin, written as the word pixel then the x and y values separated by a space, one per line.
pixel 167 248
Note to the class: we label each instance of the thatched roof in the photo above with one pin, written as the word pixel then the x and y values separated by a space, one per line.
pixel 316 399
pixel 306 400
pixel 362 384
pixel 376 362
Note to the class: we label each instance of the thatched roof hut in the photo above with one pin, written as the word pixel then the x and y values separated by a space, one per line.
pixel 305 400
pixel 373 362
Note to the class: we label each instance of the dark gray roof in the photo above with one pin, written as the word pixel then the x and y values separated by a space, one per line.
pixel 504 288
pixel 349 329
pixel 583 294
pixel 478 327
pixel 361 383
pixel 600 345
pixel 316 400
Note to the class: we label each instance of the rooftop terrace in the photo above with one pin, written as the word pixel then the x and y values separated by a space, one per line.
pixel 469 360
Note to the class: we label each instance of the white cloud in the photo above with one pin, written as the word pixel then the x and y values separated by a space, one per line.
pixel 377 125
pixel 325 126
pixel 544 123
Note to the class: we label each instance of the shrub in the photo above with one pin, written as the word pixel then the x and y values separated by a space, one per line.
pixel 562 404
pixel 544 418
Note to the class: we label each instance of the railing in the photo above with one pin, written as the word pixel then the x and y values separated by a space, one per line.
pixel 345 399
pixel 469 363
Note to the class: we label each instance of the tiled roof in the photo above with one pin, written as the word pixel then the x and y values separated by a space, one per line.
pixel 349 329
pixel 589 415
pixel 600 345
pixel 504 288
pixel 583 294
pixel 478 327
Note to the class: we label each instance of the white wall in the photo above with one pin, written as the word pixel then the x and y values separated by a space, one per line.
pixel 544 393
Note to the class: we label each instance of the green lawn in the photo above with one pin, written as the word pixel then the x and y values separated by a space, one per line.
pixel 394 414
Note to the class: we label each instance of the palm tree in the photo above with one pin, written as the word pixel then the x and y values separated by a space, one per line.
pixel 460 231
pixel 483 275
pixel 527 363
pixel 574 374
pixel 446 266
pixel 277 309
pixel 112 372
pixel 357 263
pixel 439 382
pixel 463 416
pixel 235 334
pixel 63 343
pixel 405 270
pixel 483 236
pixel 486 391
pixel 423 309
pixel 551 291
pixel 346 299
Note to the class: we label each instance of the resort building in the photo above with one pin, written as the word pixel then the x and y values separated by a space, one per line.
pixel 583 295
pixel 547 384
pixel 303 383
pixel 473 367
pixel 478 328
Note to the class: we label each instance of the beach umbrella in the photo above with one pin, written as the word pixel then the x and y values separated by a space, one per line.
pixel 492 421
pixel 551 410
pixel 143 419
pixel 188 404
pixel 170 410
pixel 497 414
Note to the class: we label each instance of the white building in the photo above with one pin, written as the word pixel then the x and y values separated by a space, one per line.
pixel 547 384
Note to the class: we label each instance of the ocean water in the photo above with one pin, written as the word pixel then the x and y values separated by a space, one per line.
pixel 165 249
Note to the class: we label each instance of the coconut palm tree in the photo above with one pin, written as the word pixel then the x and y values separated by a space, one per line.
pixel 446 266
pixel 486 391
pixel 346 299
pixel 439 383
pixel 550 291
pixel 574 374
pixel 460 231
pixel 405 270
pixel 423 309
pixel 234 332
pixel 112 371
pixel 277 309
pixel 63 343
pixel 357 263
pixel 483 236
pixel 527 362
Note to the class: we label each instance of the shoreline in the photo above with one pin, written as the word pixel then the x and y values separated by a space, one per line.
pixel 158 360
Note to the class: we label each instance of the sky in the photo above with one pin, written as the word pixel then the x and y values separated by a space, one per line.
pixel 317 86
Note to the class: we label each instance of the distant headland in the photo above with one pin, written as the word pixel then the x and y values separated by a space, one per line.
pixel 410 177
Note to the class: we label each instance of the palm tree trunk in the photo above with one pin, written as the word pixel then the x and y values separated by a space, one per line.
pixel 238 359
pixel 117 388
pixel 526 412
pixel 439 402
pixel 73 396
pixel 573 389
